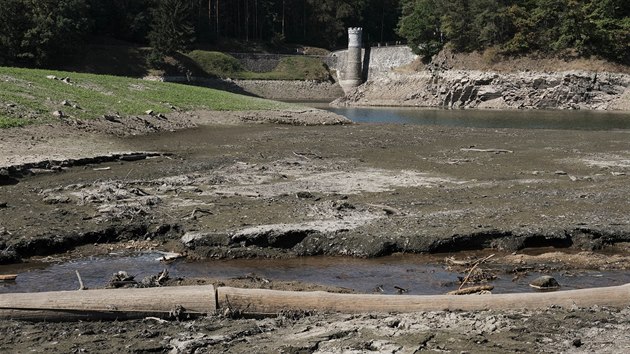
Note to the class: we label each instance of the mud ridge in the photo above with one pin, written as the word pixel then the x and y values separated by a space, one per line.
pixel 9 174
pixel 50 244
pixel 300 242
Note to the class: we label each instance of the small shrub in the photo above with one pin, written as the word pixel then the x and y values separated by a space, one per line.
pixel 6 122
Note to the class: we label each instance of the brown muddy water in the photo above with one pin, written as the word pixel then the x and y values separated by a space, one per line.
pixel 422 275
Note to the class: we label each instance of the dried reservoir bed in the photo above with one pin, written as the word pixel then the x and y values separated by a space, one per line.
pixel 242 189
pixel 268 190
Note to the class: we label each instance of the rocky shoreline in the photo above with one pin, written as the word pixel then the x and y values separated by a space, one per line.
pixel 456 89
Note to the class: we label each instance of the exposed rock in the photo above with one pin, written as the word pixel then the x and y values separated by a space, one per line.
pixel 114 119
pixel 545 282
pixel 478 89
pixel 197 238
pixel 57 199
pixel 304 195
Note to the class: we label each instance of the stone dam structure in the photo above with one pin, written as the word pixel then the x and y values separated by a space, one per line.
pixel 352 77
pixel 376 76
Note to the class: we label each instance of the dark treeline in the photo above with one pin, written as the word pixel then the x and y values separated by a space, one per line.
pixel 41 32
pixel 586 27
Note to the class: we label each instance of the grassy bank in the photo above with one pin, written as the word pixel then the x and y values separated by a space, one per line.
pixel 122 59
pixel 216 64
pixel 30 96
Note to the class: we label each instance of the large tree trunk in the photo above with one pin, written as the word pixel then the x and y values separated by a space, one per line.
pixel 109 303
pixel 263 302
pixel 199 300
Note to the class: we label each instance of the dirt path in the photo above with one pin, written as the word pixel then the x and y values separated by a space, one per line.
pixel 235 188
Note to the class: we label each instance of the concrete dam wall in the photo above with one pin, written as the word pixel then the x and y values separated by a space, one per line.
pixel 379 60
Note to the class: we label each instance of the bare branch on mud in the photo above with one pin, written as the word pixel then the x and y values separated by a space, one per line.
pixel 307 154
pixel 472 269
pixel 400 290
pixel 496 151
pixel 156 319
pixel 472 290
pixel 193 215
pixel 81 286
pixel 456 262
pixel 8 277
pixel 387 209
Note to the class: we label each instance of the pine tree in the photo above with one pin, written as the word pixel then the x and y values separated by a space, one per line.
pixel 172 29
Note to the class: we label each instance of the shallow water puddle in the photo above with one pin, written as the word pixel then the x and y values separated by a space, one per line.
pixel 409 272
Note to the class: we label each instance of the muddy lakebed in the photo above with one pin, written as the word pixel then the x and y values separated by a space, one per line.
pixel 255 199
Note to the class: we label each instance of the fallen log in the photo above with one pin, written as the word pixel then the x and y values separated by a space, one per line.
pixel 268 302
pixel 165 302
pixel 99 304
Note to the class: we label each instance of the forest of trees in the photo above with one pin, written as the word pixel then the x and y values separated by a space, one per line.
pixel 40 32
pixel 587 27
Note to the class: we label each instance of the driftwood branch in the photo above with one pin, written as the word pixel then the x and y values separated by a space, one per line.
pixel 496 151
pixel 471 290
pixel 306 155
pixel 81 286
pixel 387 209
pixel 473 269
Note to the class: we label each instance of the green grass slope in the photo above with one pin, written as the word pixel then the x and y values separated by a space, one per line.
pixel 29 96
pixel 217 64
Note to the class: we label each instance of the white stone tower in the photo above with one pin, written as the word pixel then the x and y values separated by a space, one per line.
pixel 352 77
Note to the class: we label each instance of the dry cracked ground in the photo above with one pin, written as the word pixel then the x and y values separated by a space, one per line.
pixel 246 189
pixel 546 331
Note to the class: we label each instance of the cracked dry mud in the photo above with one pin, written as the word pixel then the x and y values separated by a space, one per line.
pixel 245 189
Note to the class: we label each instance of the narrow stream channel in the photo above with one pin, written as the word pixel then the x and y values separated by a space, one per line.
pixel 410 272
